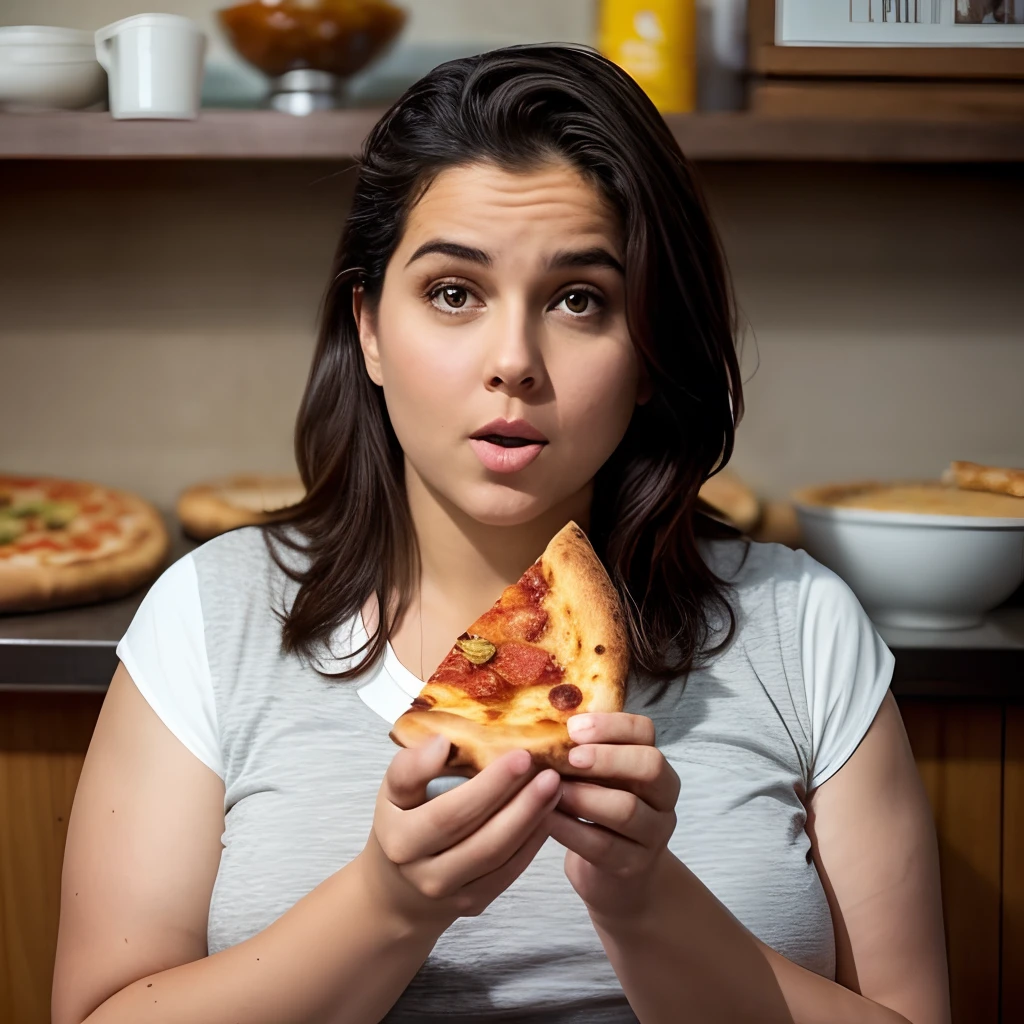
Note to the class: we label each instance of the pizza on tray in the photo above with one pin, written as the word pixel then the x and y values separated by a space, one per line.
pixel 209 509
pixel 554 645
pixel 65 542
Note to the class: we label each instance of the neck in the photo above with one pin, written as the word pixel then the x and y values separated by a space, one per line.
pixel 465 563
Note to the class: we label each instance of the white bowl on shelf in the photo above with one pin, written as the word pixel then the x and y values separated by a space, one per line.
pixel 46 68
pixel 917 571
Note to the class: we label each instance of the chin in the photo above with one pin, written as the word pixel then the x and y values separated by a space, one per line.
pixel 502 506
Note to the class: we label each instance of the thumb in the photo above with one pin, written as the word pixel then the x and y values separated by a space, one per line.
pixel 412 768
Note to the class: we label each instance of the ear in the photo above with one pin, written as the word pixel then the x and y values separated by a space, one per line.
pixel 367 327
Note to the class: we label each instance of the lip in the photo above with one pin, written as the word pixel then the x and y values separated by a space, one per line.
pixel 513 428
pixel 504 460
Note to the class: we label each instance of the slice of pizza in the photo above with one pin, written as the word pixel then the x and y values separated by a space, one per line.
pixel 553 645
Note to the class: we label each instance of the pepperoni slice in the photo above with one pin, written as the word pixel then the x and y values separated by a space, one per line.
pixel 519 663
pixel 85 542
pixel 455 667
pixel 565 697
pixel 487 687
pixel 499 625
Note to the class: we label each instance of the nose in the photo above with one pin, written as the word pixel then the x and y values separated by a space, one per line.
pixel 513 361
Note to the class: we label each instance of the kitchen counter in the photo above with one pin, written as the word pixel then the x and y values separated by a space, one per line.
pixel 73 649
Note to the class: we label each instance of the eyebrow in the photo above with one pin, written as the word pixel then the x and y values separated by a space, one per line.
pixel 453 249
pixel 595 256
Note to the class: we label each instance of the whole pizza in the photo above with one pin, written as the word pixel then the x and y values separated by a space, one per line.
pixel 553 645
pixel 209 509
pixel 65 542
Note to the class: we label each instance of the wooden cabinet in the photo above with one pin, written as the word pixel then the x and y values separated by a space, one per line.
pixel 971 757
pixel 959 754
pixel 43 740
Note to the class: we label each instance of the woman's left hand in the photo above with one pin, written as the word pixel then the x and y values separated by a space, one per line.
pixel 621 783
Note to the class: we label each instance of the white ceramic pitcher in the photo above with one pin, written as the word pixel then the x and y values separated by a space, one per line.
pixel 154 65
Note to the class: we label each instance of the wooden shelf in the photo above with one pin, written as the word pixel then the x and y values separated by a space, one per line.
pixel 267 135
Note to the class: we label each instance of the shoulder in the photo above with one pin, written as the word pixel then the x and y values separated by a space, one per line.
pixel 246 568
pixel 789 603
pixel 164 651
pixel 240 551
pixel 753 570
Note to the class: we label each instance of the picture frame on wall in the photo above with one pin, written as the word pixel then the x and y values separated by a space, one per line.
pixel 941 23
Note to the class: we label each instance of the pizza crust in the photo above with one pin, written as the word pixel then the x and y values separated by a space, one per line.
pixel 585 636
pixel 25 588
pixel 217 506
pixel 475 745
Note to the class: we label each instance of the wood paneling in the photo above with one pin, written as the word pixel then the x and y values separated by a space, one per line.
pixel 238 136
pixel 1013 868
pixel 43 739
pixel 886 100
pixel 958 749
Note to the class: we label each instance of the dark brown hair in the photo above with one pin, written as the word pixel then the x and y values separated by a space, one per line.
pixel 517 107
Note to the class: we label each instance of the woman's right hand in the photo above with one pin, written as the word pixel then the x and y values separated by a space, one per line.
pixel 433 861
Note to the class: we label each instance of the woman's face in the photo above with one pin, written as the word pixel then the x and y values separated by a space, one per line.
pixel 503 313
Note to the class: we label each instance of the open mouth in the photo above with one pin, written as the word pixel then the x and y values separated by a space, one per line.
pixel 508 442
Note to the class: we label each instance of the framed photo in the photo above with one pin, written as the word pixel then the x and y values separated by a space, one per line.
pixel 941 23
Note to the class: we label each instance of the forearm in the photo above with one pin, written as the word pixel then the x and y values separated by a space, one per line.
pixel 689 958
pixel 333 958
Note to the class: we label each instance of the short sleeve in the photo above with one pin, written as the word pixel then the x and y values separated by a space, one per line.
pixel 846 666
pixel 164 651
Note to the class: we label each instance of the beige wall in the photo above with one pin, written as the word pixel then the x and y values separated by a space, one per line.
pixel 156 320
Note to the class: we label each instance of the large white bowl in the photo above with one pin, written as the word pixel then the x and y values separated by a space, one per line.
pixel 44 67
pixel 917 571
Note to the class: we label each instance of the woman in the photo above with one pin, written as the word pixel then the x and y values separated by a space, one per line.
pixel 527 264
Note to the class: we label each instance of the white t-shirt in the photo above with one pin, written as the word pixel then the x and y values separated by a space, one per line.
pixel 846 666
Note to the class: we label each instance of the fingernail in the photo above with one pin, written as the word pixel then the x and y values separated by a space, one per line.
pixel 582 757
pixel 578 725
pixel 548 782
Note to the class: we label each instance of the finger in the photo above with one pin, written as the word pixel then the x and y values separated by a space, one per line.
pixel 619 810
pixel 496 841
pixel 477 895
pixel 605 850
pixel 405 782
pixel 641 770
pixel 611 727
pixel 409 835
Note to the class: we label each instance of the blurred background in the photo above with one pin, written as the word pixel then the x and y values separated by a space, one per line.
pixel 165 247
pixel 167 308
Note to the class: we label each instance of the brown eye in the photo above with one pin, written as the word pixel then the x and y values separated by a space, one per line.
pixel 577 302
pixel 454 297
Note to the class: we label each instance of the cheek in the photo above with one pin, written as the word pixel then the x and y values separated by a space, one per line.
pixel 422 366
pixel 596 402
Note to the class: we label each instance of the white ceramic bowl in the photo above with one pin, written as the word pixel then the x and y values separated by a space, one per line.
pixel 917 571
pixel 49 68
